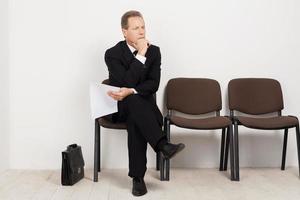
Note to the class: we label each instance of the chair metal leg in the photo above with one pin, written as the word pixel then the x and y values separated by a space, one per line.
pixel 236 149
pixel 167 169
pixel 284 149
pixel 298 146
pixel 168 130
pixel 162 168
pixel 99 150
pixel 165 163
pixel 163 160
pixel 221 168
pixel 227 147
pixel 96 150
pixel 168 160
pixel 157 161
pixel 158 154
pixel 230 136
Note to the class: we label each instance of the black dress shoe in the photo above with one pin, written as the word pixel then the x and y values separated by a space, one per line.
pixel 169 150
pixel 138 186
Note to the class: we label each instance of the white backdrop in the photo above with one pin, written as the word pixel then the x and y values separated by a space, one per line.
pixel 57 48
pixel 4 88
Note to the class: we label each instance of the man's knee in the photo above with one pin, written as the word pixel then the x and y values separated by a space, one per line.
pixel 133 100
pixel 136 104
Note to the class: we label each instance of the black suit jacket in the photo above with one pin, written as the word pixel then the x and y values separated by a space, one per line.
pixel 127 71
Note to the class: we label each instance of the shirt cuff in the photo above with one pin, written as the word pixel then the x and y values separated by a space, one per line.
pixel 141 58
pixel 134 91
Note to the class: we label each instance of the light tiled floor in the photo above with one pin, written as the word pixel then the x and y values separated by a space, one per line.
pixel 185 184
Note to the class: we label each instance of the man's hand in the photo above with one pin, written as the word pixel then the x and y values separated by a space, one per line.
pixel 121 94
pixel 141 46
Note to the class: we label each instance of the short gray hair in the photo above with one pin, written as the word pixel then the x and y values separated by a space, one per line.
pixel 131 13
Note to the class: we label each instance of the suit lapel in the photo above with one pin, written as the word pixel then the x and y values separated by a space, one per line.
pixel 128 56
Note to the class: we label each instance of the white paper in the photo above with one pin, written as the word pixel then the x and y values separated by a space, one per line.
pixel 101 103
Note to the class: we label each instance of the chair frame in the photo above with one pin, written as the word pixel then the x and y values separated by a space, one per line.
pixel 236 123
pixel 226 144
pixel 283 159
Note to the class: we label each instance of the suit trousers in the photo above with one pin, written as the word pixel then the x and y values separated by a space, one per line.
pixel 143 127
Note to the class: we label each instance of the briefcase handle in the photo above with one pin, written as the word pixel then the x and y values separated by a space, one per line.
pixel 72 146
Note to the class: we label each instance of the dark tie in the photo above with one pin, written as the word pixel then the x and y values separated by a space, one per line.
pixel 135 52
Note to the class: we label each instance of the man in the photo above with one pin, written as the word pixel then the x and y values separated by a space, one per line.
pixel 134 65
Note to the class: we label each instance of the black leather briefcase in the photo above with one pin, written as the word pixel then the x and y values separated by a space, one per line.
pixel 72 165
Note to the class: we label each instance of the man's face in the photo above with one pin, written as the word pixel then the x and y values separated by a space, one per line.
pixel 135 30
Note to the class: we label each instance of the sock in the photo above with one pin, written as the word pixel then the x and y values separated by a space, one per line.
pixel 160 144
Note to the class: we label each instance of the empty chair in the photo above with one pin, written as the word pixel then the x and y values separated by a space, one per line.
pixel 197 96
pixel 257 96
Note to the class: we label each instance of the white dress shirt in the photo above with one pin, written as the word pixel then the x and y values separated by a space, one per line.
pixel 140 58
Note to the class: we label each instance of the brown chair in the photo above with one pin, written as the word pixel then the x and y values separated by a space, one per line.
pixel 196 96
pixel 257 96
pixel 105 123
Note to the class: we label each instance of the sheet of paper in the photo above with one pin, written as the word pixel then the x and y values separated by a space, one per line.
pixel 101 103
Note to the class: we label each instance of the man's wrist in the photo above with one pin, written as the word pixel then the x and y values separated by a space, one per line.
pixel 143 51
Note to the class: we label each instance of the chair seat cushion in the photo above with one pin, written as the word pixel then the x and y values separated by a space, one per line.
pixel 206 123
pixel 109 124
pixel 279 122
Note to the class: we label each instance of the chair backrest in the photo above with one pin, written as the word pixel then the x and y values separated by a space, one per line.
pixel 255 95
pixel 194 95
pixel 106 81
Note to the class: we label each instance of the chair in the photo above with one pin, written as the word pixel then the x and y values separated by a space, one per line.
pixel 196 96
pixel 105 123
pixel 257 96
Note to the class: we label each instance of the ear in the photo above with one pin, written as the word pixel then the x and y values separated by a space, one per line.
pixel 124 31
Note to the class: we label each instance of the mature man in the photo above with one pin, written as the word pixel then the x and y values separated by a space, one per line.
pixel 134 65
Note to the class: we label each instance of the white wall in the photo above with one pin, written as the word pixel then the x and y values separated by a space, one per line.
pixel 58 46
pixel 4 88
